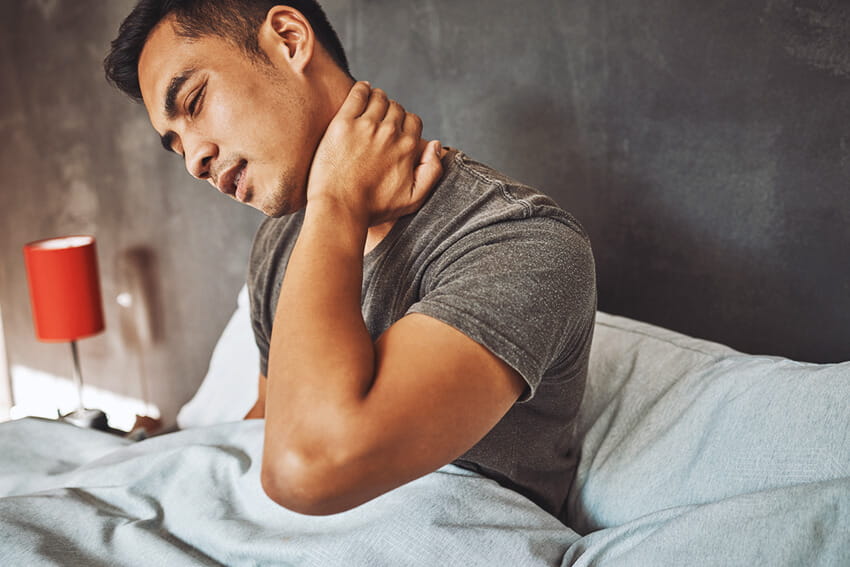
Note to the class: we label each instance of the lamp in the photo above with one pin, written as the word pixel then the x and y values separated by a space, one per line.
pixel 66 304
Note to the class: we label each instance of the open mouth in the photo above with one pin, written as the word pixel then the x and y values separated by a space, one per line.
pixel 240 183
pixel 234 181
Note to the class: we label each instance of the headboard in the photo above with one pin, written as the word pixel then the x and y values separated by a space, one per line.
pixel 705 146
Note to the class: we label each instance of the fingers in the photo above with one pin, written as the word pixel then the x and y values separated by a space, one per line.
pixel 355 103
pixel 377 107
pixel 412 125
pixel 373 104
pixel 428 172
pixel 396 115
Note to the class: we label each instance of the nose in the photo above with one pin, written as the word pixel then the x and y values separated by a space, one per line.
pixel 199 159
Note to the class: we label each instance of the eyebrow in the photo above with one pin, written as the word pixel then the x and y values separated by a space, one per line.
pixel 170 105
pixel 173 90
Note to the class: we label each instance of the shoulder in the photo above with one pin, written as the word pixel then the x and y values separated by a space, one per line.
pixel 484 195
pixel 476 207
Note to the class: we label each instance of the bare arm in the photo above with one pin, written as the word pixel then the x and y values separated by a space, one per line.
pixel 348 419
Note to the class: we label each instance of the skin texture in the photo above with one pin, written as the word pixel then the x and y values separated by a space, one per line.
pixel 347 419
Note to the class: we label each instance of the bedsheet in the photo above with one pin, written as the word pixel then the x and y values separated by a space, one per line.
pixel 72 496
pixel 79 497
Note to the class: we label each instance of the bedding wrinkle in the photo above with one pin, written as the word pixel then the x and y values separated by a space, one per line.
pixel 695 423
pixel 45 543
pixel 138 512
pixel 644 422
pixel 693 531
pixel 764 480
pixel 100 527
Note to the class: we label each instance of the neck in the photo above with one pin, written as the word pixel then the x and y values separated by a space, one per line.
pixel 378 232
pixel 335 88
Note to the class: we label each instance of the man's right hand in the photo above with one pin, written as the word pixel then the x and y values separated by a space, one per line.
pixel 372 160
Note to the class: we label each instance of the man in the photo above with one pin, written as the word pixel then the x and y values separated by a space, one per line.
pixel 412 307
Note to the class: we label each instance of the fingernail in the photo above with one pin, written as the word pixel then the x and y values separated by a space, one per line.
pixel 368 84
pixel 439 149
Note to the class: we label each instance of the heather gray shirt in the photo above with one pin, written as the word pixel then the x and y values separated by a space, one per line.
pixel 502 263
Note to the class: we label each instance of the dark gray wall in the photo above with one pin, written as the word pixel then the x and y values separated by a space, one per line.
pixel 704 144
pixel 77 157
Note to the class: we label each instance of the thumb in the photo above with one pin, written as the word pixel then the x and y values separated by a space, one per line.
pixel 428 172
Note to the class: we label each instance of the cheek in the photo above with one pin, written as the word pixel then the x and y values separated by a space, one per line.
pixel 261 120
pixel 220 119
pixel 257 125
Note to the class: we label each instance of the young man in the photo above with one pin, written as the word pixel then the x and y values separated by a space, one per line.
pixel 412 307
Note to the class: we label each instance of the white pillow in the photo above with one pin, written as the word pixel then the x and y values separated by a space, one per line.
pixel 229 389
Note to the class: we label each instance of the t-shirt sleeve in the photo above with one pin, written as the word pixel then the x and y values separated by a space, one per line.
pixel 261 337
pixel 269 256
pixel 260 289
pixel 525 289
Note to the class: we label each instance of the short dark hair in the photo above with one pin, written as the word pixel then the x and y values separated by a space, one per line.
pixel 235 20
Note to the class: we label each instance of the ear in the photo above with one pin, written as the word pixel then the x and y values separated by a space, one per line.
pixel 287 37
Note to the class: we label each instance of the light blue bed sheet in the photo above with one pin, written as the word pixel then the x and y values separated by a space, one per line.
pixel 80 497
pixel 691 454
pixel 695 454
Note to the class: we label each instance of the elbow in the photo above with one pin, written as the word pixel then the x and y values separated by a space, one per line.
pixel 305 485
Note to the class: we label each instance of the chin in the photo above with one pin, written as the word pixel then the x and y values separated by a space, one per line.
pixel 285 197
pixel 278 206
pixel 271 211
pixel 275 214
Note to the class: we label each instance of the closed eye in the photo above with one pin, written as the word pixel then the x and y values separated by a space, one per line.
pixel 193 106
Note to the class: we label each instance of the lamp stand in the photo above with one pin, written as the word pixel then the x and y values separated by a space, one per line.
pixel 82 417
pixel 78 376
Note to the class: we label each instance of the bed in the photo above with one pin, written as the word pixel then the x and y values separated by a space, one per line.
pixel 692 453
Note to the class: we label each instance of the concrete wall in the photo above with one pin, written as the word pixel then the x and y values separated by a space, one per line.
pixel 78 157
pixel 704 145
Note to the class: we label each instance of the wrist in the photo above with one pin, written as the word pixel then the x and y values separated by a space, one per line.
pixel 335 212
pixel 328 217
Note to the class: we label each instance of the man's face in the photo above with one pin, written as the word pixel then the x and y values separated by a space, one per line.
pixel 243 125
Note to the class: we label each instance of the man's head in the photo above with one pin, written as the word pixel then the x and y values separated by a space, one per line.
pixel 242 89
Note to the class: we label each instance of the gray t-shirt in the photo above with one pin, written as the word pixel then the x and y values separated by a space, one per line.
pixel 506 266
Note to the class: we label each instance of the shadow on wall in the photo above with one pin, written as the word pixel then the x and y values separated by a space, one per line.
pixel 140 299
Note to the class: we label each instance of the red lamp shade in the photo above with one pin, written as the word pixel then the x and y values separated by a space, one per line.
pixel 64 288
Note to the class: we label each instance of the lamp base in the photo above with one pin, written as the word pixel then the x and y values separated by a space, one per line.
pixel 87 418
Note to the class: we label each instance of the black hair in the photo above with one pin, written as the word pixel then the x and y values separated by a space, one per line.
pixel 235 20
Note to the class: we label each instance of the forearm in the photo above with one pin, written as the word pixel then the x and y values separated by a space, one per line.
pixel 321 360
pixel 331 440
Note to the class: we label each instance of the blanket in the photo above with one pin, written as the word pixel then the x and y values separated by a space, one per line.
pixel 81 497
pixel 691 454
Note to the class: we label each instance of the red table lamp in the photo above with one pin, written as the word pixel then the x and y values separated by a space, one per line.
pixel 66 304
